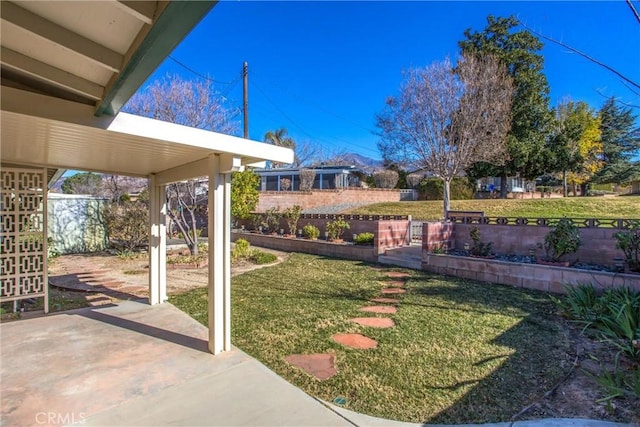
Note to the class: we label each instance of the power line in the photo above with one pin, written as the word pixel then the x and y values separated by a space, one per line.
pixel 633 10
pixel 320 107
pixel 584 55
pixel 186 67
pixel 286 116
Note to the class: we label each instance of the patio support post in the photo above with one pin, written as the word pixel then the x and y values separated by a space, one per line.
pixel 157 242
pixel 219 228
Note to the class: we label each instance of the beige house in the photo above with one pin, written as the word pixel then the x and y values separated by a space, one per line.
pixel 67 69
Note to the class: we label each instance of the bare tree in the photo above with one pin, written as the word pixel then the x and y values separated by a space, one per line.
pixel 117 187
pixel 185 199
pixel 446 119
pixel 193 103
pixel 307 176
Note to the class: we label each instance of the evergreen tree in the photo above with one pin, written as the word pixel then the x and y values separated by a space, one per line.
pixel 620 143
pixel 530 114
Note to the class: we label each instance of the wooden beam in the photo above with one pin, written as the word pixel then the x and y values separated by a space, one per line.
pixel 45 72
pixel 143 11
pixel 37 25
pixel 173 22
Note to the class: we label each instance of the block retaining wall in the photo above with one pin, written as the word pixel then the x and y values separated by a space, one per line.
pixel 520 275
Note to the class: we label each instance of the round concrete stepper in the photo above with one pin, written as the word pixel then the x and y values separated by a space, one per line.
pixel 355 341
pixel 383 309
pixel 320 365
pixel 374 322
pixel 398 275
pixel 385 300
pixel 393 291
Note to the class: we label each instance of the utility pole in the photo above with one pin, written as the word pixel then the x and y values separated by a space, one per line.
pixel 245 103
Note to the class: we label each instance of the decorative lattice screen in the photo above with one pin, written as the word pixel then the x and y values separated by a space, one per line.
pixel 23 231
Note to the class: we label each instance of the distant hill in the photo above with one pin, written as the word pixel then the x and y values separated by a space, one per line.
pixel 367 164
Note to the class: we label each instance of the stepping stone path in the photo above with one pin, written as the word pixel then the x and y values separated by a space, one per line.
pixel 393 291
pixel 374 322
pixel 383 309
pixel 396 284
pixel 355 341
pixel 321 366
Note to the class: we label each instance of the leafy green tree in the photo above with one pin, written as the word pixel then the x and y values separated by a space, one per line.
pixel 530 114
pixel 83 183
pixel 576 143
pixel 244 194
pixel 620 142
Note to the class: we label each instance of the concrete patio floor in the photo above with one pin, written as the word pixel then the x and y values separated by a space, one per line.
pixel 135 364
pixel 138 365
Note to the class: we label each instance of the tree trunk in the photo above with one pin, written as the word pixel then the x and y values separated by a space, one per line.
pixel 446 196
pixel 193 246
pixel 503 186
pixel 564 183
pixel 584 189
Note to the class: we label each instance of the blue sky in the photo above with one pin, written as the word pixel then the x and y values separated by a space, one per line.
pixel 324 69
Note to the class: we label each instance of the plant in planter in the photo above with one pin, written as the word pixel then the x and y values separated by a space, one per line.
pixel 364 239
pixel 629 242
pixel 479 248
pixel 292 216
pixel 335 229
pixel 561 240
pixel 272 219
pixel 310 232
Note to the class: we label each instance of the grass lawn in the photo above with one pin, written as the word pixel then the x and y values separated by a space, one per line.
pixel 572 207
pixel 461 351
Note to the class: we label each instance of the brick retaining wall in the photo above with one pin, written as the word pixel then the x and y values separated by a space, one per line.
pixel 315 198
pixel 531 276
pixel 598 245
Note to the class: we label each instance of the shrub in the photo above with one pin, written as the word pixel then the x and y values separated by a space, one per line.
pixel 307 176
pixel 242 249
pixel 272 219
pixel 629 242
pixel 260 257
pixel 433 189
pixel 364 239
pixel 310 232
pixel 561 240
pixel 614 315
pixel 413 180
pixel 385 178
pixel 292 216
pixel 127 225
pixel 479 248
pixel 244 193
pixel 336 228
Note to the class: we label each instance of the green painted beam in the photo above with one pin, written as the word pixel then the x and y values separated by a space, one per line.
pixel 176 21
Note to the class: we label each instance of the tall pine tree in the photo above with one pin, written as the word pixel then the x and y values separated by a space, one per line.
pixel 531 117
pixel 620 143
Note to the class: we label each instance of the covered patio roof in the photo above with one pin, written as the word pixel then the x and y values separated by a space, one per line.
pixel 132 145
